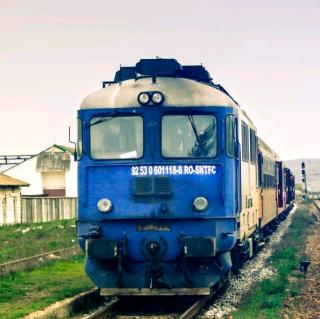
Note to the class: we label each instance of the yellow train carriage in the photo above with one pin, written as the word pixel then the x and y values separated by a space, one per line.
pixel 267 183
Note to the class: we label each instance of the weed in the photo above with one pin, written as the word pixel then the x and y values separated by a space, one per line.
pixel 32 290
pixel 265 300
pixel 272 301
pixel 20 241
pixel 294 290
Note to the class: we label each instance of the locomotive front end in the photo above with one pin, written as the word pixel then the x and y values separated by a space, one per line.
pixel 158 180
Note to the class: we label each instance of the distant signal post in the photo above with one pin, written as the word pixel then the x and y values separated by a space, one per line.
pixel 304 179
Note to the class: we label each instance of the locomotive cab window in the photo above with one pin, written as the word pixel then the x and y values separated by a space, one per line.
pixel 116 137
pixel 193 136
pixel 231 135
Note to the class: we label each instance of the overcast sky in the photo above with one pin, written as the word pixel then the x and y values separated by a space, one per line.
pixel 54 53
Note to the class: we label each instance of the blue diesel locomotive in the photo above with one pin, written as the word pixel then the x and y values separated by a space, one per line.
pixel 171 179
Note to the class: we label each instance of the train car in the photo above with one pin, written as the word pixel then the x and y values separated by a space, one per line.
pixel 289 188
pixel 168 173
pixel 276 188
pixel 268 185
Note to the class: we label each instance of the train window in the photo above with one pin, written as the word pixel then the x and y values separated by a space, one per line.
pixel 231 135
pixel 245 142
pixel 253 146
pixel 269 178
pixel 189 136
pixel 79 141
pixel 116 137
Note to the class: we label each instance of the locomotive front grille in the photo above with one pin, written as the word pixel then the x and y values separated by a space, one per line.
pixel 151 186
pixel 142 186
pixel 162 185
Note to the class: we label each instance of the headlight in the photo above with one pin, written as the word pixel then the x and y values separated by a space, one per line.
pixel 157 98
pixel 104 205
pixel 143 98
pixel 200 203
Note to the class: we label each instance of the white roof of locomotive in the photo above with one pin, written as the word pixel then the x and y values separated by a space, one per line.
pixel 178 92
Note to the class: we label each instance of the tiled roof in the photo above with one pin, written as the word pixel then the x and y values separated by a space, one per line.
pixel 6 180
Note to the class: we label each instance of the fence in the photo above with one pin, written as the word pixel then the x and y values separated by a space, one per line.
pixel 44 209
pixel 10 206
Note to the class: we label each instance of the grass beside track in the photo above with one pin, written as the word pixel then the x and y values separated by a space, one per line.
pixel 27 291
pixel 20 241
pixel 266 300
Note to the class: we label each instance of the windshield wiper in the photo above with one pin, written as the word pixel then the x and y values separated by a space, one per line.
pixel 104 119
pixel 194 128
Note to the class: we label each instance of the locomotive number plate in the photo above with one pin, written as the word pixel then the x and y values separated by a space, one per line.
pixel 173 170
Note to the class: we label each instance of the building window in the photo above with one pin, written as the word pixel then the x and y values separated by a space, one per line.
pixel 245 142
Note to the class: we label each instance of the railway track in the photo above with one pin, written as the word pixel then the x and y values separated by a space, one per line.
pixel 118 309
pixel 103 311
pixel 316 202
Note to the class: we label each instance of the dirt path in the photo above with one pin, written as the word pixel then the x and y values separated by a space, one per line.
pixel 307 304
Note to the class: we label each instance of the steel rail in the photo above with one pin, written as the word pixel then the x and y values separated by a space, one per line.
pixel 316 204
pixel 102 312
pixel 195 308
pixel 189 313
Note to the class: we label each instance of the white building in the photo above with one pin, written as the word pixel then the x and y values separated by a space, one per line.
pixel 51 173
pixel 10 200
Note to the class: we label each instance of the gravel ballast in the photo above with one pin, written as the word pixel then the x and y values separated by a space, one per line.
pixel 253 271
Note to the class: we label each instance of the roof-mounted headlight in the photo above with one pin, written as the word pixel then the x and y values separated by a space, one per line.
pixel 200 203
pixel 104 205
pixel 149 98
pixel 143 98
pixel 157 98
